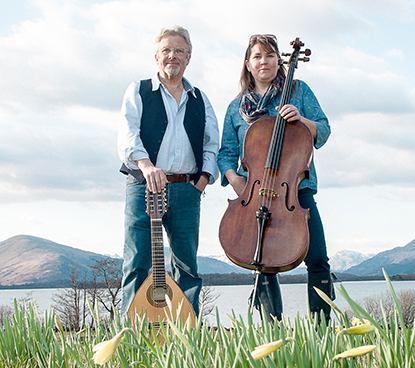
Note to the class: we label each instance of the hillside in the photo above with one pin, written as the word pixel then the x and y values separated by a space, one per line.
pixel 399 260
pixel 32 260
pixel 28 259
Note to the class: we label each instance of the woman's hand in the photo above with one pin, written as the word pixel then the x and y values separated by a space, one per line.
pixel 238 182
pixel 291 114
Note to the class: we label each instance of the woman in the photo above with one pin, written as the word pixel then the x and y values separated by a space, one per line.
pixel 262 82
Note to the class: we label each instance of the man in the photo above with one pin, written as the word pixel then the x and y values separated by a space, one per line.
pixel 168 138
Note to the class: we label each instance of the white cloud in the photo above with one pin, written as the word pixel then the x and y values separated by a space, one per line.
pixel 369 149
pixel 64 70
pixel 67 155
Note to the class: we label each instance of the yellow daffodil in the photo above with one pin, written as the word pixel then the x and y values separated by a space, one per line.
pixel 105 350
pixel 361 350
pixel 337 328
pixel 356 321
pixel 264 350
pixel 357 330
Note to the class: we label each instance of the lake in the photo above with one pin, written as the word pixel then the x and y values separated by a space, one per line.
pixel 236 297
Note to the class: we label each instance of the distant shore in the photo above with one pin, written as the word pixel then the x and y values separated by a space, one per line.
pixel 247 279
pixel 218 279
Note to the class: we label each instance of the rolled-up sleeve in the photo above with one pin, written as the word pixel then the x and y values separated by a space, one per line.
pixel 313 111
pixel 229 152
pixel 210 141
pixel 130 146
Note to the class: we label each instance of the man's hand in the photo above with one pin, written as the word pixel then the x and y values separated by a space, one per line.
pixel 202 182
pixel 156 178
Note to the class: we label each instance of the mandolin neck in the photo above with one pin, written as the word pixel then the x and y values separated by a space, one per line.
pixel 157 251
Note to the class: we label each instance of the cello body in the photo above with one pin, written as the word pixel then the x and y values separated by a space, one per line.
pixel 285 238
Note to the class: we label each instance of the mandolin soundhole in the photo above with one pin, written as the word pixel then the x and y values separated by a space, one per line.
pixel 157 296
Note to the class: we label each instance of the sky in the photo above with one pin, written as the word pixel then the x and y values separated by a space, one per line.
pixel 65 65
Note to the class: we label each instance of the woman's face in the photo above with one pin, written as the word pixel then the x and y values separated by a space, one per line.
pixel 262 65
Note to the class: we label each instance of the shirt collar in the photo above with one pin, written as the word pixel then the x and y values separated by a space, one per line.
pixel 155 81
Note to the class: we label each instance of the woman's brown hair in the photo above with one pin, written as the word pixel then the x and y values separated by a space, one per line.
pixel 269 44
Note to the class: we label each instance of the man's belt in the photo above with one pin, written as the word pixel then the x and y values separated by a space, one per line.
pixel 180 178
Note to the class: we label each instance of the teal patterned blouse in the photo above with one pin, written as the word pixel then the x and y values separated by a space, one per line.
pixel 235 127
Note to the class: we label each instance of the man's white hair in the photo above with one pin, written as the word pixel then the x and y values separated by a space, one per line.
pixel 176 31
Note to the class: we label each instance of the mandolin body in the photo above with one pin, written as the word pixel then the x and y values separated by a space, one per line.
pixel 152 302
pixel 150 298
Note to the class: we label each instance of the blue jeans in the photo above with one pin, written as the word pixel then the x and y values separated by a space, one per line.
pixel 181 222
pixel 317 261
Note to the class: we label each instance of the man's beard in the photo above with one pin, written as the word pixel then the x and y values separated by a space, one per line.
pixel 172 71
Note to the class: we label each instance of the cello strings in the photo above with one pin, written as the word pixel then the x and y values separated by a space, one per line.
pixel 274 155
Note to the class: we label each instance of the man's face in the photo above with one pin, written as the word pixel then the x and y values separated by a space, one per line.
pixel 172 56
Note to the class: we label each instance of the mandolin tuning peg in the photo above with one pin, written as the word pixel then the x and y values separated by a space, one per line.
pixel 305 59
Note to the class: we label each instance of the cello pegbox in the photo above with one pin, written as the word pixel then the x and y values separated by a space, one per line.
pixel 306 52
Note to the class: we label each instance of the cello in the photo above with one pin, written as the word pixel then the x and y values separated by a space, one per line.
pixel 265 229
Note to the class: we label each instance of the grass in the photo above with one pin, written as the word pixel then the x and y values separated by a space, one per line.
pixel 27 340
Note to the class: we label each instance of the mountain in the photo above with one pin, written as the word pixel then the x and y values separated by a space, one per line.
pixel 346 259
pixel 399 260
pixel 28 259
pixel 31 260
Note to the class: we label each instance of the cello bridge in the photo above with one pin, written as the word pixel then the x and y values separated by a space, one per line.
pixel 266 192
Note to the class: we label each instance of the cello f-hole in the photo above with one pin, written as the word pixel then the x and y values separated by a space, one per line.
pixel 292 208
pixel 243 202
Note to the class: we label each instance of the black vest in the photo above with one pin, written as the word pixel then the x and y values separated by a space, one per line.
pixel 154 124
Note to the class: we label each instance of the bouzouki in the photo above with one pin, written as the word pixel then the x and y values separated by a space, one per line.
pixel 151 296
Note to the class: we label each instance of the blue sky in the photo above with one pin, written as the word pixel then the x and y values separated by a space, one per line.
pixel 64 67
